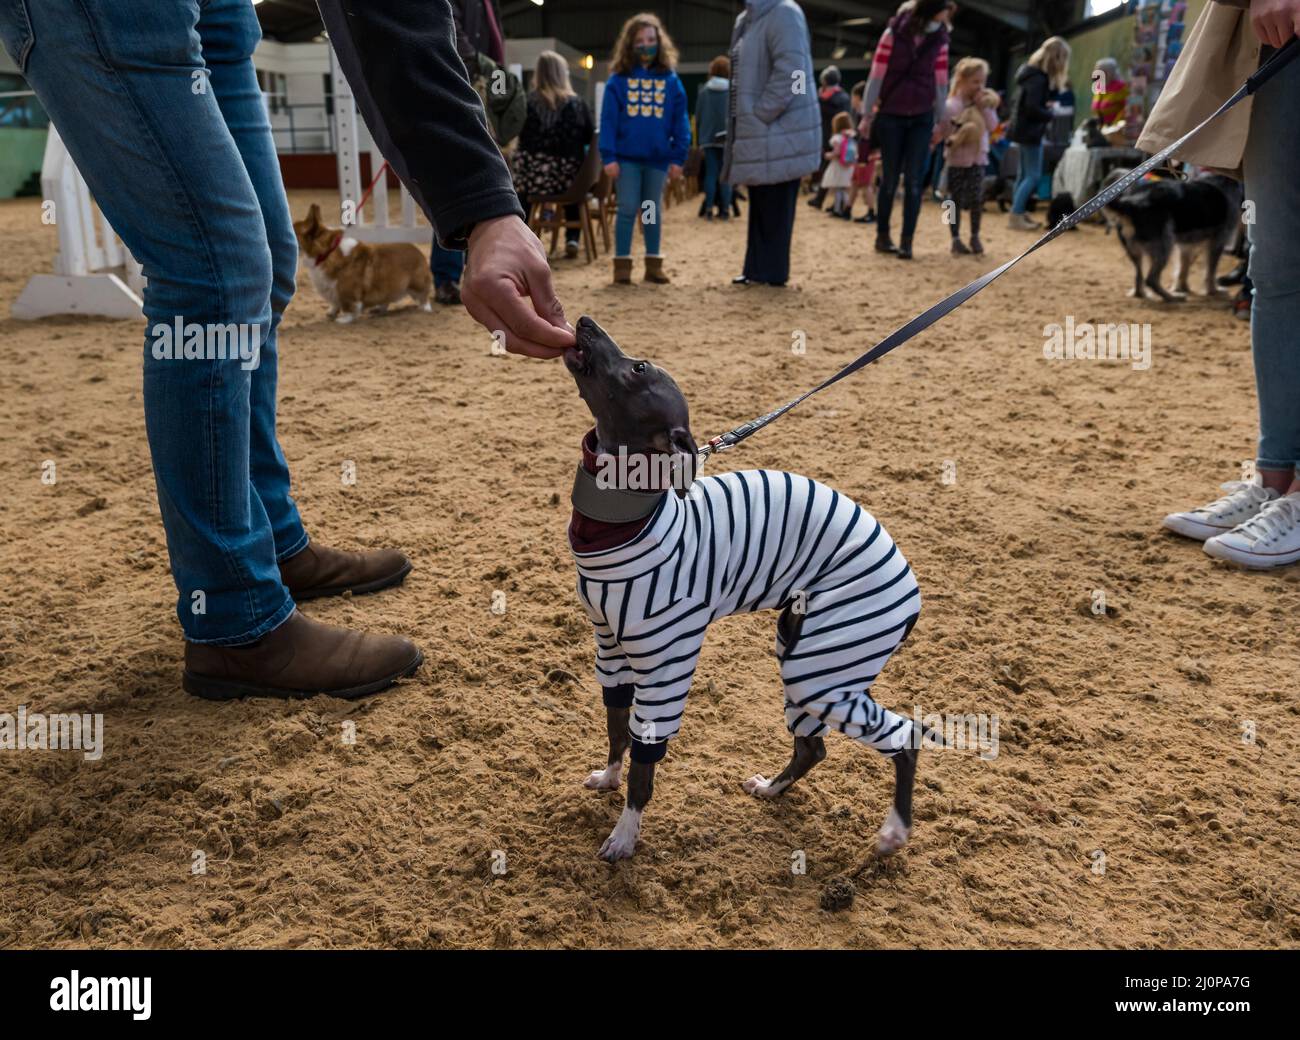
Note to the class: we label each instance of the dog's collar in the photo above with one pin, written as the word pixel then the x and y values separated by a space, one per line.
pixel 333 246
pixel 611 505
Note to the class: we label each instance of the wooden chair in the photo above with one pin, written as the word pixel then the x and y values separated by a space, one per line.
pixel 555 222
pixel 603 196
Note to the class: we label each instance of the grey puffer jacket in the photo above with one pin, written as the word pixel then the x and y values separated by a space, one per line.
pixel 775 123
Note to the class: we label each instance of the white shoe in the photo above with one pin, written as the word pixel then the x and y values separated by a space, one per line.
pixel 1270 539
pixel 1243 501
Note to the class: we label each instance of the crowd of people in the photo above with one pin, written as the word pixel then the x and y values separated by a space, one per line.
pixel 756 137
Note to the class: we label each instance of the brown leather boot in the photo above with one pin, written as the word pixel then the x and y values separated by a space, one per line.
pixel 321 571
pixel 622 270
pixel 654 270
pixel 300 658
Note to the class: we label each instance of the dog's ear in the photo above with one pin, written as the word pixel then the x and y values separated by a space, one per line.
pixel 679 444
pixel 313 216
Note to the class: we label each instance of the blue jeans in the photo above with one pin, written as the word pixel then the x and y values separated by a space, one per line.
pixel 1271 160
pixel 637 185
pixel 447 265
pixel 1031 171
pixel 904 152
pixel 712 183
pixel 158 104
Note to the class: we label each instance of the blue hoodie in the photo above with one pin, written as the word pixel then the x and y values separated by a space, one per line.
pixel 643 119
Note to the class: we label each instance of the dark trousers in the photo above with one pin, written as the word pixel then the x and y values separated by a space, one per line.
pixel 904 151
pixel 771 225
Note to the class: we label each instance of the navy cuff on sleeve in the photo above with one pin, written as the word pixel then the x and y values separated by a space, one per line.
pixel 619 696
pixel 648 754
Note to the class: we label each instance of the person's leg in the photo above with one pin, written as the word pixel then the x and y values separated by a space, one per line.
pixel 711 168
pixel 1031 168
pixel 1271 160
pixel 572 235
pixel 125 83
pixel 890 134
pixel 651 216
pixel 754 231
pixel 723 189
pixel 628 188
pixel 916 154
pixel 229 32
pixel 771 225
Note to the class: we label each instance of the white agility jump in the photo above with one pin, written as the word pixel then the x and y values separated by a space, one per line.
pixel 349 132
pixel 94 273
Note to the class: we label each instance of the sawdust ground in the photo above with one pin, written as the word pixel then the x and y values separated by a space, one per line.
pixel 1119 734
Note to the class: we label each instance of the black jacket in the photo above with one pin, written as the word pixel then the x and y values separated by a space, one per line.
pixel 410 84
pixel 1031 115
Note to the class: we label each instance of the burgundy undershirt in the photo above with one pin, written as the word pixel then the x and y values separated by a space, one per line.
pixel 587 535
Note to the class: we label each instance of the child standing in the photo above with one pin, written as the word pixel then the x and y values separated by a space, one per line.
pixel 842 157
pixel 645 133
pixel 972 110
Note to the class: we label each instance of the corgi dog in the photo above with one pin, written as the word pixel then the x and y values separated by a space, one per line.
pixel 353 276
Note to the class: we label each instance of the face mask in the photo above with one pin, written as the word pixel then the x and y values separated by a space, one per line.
pixel 647 51
pixel 932 26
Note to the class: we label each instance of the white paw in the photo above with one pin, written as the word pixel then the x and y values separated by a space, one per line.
pixel 606 779
pixel 426 306
pixel 760 787
pixel 621 842
pixel 893 835
pixel 343 319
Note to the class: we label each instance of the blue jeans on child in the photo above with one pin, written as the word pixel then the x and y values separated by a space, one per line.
pixel 158 104
pixel 1031 171
pixel 1271 160
pixel 638 184
pixel 713 184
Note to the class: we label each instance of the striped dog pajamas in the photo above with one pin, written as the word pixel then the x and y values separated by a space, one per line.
pixel 741 542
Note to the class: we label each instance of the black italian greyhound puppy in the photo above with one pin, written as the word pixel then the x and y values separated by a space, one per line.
pixel 639 411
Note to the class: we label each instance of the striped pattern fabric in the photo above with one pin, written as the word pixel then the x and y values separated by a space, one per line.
pixel 746 541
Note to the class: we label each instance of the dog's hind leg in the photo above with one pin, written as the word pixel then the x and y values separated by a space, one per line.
pixel 618 708
pixel 808 751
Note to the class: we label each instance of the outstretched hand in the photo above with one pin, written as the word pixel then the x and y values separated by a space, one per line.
pixel 1275 21
pixel 508 289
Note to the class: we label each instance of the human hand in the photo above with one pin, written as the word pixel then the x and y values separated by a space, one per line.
pixel 612 170
pixel 864 127
pixel 674 171
pixel 507 289
pixel 1275 21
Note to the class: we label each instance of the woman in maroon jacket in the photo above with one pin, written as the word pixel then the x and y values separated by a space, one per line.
pixel 909 81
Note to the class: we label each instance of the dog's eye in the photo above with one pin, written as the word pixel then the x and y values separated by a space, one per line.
pixel 639 367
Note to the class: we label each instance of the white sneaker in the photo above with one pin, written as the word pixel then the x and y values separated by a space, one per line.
pixel 1242 502
pixel 1270 539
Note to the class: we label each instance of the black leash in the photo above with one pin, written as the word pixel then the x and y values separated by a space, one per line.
pixel 923 321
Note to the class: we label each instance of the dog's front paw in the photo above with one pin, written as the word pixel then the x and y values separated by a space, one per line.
pixel 606 779
pixel 893 834
pixel 760 787
pixel 621 842
pixel 344 318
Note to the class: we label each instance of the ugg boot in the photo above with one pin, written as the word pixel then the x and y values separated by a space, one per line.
pixel 1022 222
pixel 654 270
pixel 622 270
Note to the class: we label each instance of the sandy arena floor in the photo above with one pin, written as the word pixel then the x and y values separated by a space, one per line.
pixel 1120 734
